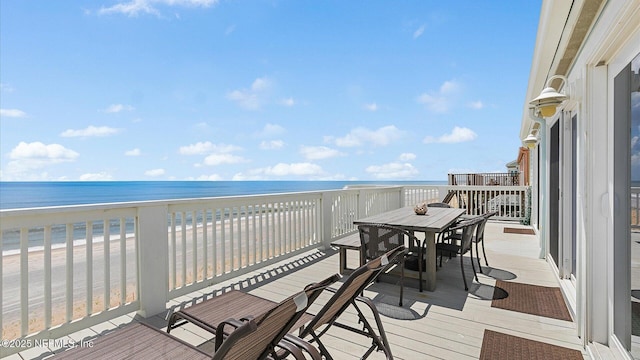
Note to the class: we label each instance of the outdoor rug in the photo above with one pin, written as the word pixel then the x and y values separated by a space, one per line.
pixel 635 318
pixel 509 230
pixel 499 346
pixel 530 299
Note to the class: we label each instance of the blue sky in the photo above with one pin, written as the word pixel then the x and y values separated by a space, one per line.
pixel 261 90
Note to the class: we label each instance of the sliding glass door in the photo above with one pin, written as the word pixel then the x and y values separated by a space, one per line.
pixel 626 247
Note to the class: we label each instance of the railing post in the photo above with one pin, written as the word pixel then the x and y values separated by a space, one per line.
pixel 443 191
pixel 326 219
pixel 153 259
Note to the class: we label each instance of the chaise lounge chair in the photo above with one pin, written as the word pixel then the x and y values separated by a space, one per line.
pixel 313 327
pixel 246 338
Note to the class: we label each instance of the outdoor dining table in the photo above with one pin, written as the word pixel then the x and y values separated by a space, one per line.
pixel 434 221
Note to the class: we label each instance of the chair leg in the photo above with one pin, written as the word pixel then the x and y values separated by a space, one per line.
pixel 421 255
pixel 464 277
pixel 402 281
pixel 473 266
pixel 478 259
pixel 484 253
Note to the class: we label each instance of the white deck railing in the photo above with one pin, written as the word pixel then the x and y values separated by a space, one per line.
pixel 70 267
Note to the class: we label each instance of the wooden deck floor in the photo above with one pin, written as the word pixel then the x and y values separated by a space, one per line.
pixel 446 324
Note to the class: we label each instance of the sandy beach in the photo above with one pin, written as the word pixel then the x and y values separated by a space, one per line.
pixel 277 232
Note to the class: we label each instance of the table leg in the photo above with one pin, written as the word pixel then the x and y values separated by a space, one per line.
pixel 430 271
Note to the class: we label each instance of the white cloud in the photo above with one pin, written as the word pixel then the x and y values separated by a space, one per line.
pixel 419 31
pixel 260 84
pixel 253 98
pixel 101 176
pixel 136 7
pixel 441 100
pixel 219 159
pixel 476 105
pixel 270 130
pixel 362 136
pixel 319 152
pixel 371 107
pixel 212 177
pixel 271 145
pixel 154 172
pixel 245 99
pixel 449 87
pixel 6 88
pixel 216 154
pixel 116 108
pixel 203 148
pixel 296 169
pixel 407 156
pixel 133 152
pixel 457 135
pixel 435 103
pixel 392 171
pixel 289 102
pixel 91 131
pixel 282 170
pixel 27 157
pixel 12 113
pixel 52 153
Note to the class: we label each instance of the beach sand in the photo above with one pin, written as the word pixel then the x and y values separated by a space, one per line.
pixel 278 233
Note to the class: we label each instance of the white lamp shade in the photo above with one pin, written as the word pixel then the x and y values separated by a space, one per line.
pixel 530 141
pixel 548 101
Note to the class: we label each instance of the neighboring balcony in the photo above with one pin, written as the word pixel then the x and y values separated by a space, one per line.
pixel 487 179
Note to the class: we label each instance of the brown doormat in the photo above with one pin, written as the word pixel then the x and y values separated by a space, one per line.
pixel 508 230
pixel 635 318
pixel 530 299
pixel 499 346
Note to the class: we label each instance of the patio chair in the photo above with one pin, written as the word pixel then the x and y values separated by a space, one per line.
pixel 249 338
pixel 439 204
pixel 311 326
pixel 479 238
pixel 377 239
pixel 349 295
pixel 467 227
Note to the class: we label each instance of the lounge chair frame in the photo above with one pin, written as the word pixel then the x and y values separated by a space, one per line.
pixel 313 326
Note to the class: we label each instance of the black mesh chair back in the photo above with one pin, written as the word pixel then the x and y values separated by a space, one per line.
pixel 465 239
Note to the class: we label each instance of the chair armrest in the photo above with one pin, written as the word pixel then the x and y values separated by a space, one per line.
pixel 295 345
pixel 229 322
pixel 241 329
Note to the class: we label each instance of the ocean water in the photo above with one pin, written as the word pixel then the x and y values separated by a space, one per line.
pixel 17 195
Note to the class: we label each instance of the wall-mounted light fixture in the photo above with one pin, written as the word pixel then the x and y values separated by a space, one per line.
pixel 549 98
pixel 530 141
